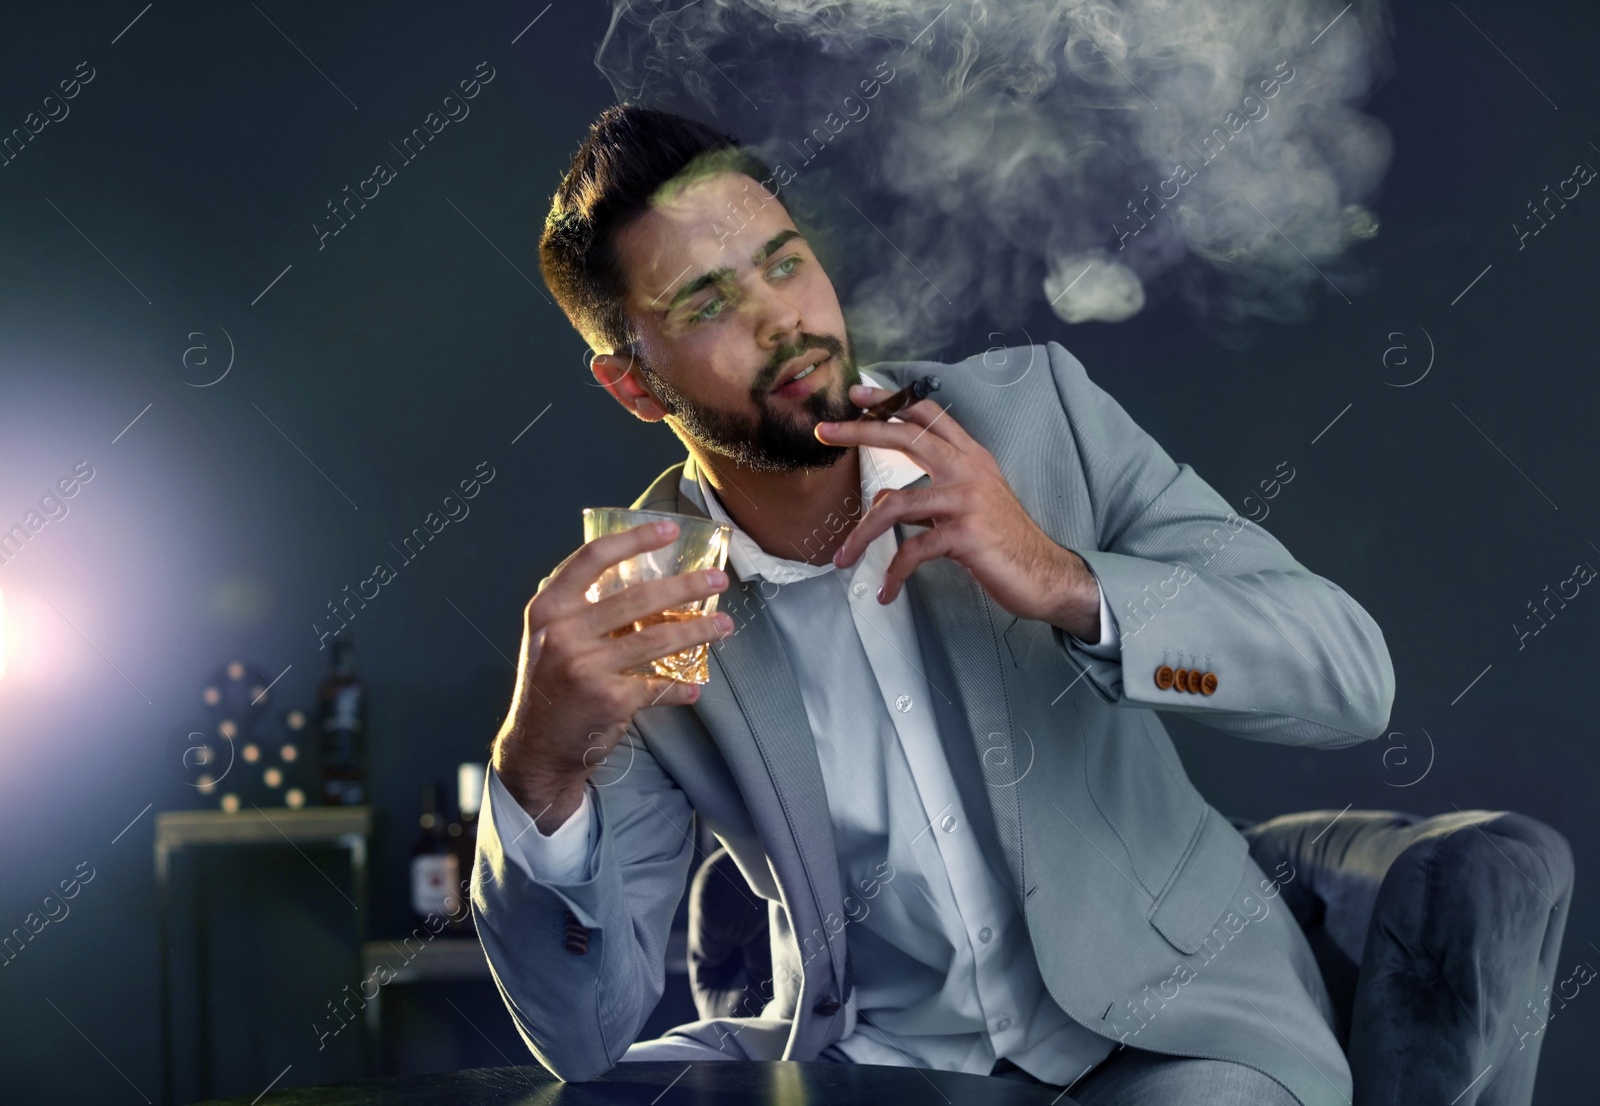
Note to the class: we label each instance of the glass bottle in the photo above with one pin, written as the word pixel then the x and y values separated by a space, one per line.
pixel 342 730
pixel 435 868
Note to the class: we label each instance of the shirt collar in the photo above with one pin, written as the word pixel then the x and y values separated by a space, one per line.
pixel 880 468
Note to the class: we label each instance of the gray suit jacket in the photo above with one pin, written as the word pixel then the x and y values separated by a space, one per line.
pixel 1151 923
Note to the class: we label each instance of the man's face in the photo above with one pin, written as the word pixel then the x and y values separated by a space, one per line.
pixel 726 295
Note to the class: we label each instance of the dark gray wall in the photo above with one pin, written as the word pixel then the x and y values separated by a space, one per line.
pixel 383 367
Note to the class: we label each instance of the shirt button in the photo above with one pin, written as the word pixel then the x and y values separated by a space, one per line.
pixel 984 934
pixel 948 823
pixel 858 589
pixel 1003 1024
pixel 903 704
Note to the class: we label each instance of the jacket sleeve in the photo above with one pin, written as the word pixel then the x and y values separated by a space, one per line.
pixel 1191 584
pixel 581 962
pixel 562 856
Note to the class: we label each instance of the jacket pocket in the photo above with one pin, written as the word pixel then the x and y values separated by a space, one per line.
pixel 1194 899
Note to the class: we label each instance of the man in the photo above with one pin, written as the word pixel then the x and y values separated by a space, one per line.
pixel 976 845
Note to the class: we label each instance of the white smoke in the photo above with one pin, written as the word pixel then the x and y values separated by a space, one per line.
pixel 1014 153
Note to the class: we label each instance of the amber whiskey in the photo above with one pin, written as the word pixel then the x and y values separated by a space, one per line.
pixel 689 666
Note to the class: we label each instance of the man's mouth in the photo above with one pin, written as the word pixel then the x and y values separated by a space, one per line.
pixel 795 384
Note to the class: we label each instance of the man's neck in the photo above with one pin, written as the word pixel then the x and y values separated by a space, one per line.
pixel 800 516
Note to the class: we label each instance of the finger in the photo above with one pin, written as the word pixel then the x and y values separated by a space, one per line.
pixel 936 419
pixel 930 451
pixel 664 639
pixel 926 413
pixel 923 506
pixel 924 547
pixel 865 395
pixel 569 582
pixel 647 597
pixel 662 691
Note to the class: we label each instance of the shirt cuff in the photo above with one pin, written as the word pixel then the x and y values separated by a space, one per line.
pixel 1109 647
pixel 562 856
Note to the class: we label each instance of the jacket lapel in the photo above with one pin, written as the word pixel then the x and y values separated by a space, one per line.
pixel 754 712
pixel 963 620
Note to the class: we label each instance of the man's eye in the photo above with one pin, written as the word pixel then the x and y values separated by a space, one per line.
pixel 713 308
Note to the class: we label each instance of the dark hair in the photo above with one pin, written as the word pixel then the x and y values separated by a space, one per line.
pixel 630 153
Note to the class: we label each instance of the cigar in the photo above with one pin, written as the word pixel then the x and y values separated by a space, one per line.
pixel 918 389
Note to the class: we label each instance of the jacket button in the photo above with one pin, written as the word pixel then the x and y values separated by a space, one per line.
pixel 1164 676
pixel 827 1006
pixel 1180 679
pixel 1208 683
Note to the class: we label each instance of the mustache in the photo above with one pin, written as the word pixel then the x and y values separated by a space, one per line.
pixel 786 354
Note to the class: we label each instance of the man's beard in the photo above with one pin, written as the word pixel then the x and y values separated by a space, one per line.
pixel 774 441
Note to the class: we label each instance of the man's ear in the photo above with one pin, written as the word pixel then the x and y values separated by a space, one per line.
pixel 618 373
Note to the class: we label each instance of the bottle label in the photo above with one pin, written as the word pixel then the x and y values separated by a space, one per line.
pixel 434 881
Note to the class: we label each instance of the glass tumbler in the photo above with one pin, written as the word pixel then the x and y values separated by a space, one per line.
pixel 700 544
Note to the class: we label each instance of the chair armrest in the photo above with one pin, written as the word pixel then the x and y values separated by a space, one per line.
pixel 730 958
pixel 1433 935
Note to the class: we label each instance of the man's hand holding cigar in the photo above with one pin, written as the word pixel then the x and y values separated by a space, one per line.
pixel 976 518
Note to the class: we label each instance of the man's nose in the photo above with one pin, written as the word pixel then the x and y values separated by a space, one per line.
pixel 777 319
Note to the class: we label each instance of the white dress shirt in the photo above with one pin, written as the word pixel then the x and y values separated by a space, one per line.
pixel 945 973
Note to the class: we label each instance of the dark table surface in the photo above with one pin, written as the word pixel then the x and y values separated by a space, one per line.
pixel 706 1083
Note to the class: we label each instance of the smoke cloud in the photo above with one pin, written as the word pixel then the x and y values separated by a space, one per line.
pixel 979 159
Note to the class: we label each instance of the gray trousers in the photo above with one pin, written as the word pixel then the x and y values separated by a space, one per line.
pixel 1128 1077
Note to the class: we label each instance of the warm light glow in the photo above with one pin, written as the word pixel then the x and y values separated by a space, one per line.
pixel 37 648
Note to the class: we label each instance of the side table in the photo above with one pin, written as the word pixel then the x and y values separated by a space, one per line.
pixel 344 827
